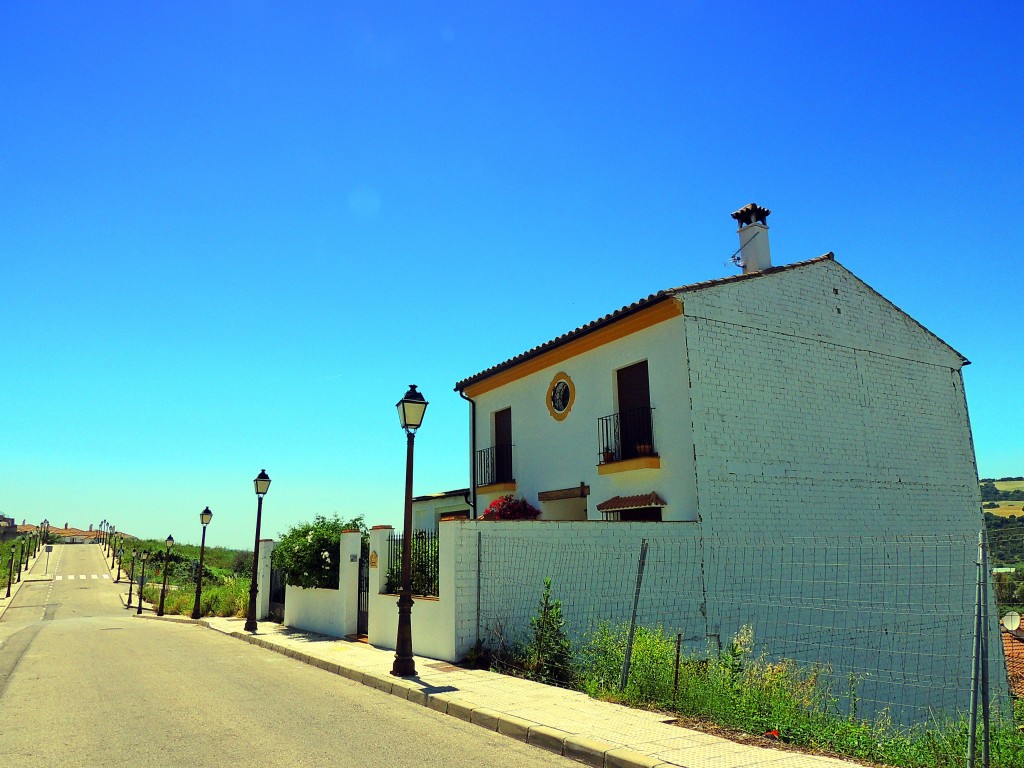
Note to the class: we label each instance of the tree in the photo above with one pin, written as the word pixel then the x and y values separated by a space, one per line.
pixel 548 656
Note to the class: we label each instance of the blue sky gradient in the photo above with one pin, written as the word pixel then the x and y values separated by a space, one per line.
pixel 232 234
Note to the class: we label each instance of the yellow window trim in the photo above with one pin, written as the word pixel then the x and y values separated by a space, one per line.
pixel 640 462
pixel 643 319
pixel 497 488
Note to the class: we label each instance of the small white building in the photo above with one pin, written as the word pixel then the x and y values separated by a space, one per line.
pixel 429 510
pixel 794 399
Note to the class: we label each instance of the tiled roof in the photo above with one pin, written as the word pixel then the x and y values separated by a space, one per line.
pixel 643 501
pixel 630 309
pixel 1013 648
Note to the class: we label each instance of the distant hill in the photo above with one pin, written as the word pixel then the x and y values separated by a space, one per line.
pixel 1005 540
pixel 1003 489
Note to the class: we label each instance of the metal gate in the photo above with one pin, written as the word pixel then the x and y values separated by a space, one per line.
pixel 277 592
pixel 363 612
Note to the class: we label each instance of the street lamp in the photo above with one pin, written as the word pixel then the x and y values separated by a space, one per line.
pixel 204 518
pixel 410 414
pixel 120 562
pixel 10 572
pixel 131 582
pixel 262 483
pixel 113 549
pixel 21 557
pixel 167 561
pixel 143 557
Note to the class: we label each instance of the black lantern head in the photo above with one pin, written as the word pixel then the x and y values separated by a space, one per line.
pixel 411 409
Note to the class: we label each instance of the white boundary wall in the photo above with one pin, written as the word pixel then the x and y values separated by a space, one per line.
pixel 433 619
pixel 263 579
pixel 329 611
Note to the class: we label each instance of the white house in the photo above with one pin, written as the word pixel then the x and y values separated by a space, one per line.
pixel 794 399
pixel 794 449
pixel 782 449
pixel 430 509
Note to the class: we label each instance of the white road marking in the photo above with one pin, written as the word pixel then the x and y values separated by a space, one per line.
pixel 58 578
pixel 71 578
pixel 94 576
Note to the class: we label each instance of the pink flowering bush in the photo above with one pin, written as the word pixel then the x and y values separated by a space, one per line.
pixel 507 508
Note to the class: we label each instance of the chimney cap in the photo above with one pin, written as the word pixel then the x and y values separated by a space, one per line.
pixel 750 213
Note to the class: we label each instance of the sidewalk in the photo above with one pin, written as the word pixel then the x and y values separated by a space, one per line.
pixel 567 722
pixel 33 573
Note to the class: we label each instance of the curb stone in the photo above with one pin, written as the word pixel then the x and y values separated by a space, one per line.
pixel 587 750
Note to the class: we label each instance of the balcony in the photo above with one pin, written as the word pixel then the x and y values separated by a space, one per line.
pixel 626 441
pixel 494 468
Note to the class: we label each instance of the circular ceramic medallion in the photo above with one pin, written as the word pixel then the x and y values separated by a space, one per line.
pixel 561 395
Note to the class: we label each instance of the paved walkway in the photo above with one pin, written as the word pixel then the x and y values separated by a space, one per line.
pixel 567 722
pixel 36 572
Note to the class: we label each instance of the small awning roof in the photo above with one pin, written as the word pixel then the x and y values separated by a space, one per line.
pixel 643 501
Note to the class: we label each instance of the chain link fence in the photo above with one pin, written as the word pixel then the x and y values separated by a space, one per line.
pixel 886 626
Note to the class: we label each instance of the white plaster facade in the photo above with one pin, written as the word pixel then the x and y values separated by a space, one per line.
pixel 796 398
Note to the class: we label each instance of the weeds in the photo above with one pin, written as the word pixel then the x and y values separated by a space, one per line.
pixel 743 690
pixel 228 598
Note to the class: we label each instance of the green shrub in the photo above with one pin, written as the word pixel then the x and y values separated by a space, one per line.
pixel 308 553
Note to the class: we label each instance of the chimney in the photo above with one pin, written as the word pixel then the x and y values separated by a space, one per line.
pixel 755 254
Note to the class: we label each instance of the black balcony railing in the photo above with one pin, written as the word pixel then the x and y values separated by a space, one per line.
pixel 424 568
pixel 494 465
pixel 626 435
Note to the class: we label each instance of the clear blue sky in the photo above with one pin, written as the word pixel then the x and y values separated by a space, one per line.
pixel 231 234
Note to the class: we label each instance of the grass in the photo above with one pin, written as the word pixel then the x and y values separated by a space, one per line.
pixel 740 690
pixel 1009 485
pixel 229 598
pixel 1007 508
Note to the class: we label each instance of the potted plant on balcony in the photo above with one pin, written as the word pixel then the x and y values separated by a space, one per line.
pixel 644 449
pixel 607 455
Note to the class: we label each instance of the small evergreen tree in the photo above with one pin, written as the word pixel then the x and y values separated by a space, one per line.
pixel 547 658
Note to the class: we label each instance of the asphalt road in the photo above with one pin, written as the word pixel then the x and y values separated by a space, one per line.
pixel 83 682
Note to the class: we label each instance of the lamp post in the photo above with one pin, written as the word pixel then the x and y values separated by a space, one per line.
pixel 143 557
pixel 10 572
pixel 21 556
pixel 102 529
pixel 410 414
pixel 262 484
pixel 111 538
pixel 113 550
pixel 131 581
pixel 204 518
pixel 120 562
pixel 167 561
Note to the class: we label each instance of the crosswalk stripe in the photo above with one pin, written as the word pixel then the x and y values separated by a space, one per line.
pixel 71 578
pixel 94 576
pixel 83 576
pixel 106 575
pixel 58 578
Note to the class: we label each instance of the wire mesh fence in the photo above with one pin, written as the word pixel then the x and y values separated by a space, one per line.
pixel 875 626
